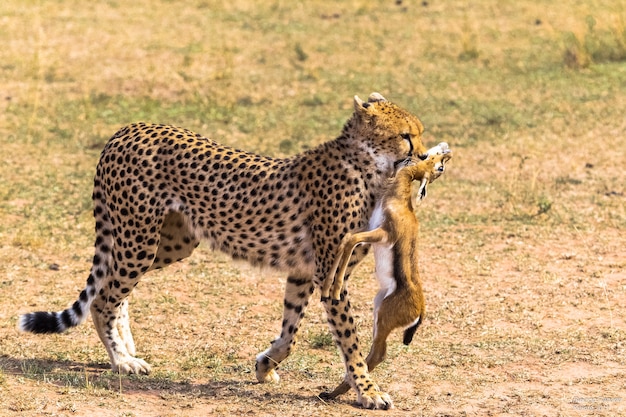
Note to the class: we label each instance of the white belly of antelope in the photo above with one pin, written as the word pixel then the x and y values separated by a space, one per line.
pixel 383 258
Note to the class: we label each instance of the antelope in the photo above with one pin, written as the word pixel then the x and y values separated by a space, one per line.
pixel 393 234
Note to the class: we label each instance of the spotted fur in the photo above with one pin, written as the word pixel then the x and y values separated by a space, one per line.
pixel 159 190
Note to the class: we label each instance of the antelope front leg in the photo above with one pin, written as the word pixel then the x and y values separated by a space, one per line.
pixel 331 279
pixel 333 284
pixel 357 376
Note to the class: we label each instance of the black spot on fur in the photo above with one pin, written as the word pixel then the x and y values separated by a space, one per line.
pixel 41 322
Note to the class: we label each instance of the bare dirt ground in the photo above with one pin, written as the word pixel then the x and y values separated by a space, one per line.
pixel 528 325
pixel 522 248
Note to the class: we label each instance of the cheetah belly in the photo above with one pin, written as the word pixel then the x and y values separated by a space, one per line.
pixel 272 247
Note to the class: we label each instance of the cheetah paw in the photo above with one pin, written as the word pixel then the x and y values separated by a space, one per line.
pixel 131 366
pixel 264 371
pixel 269 377
pixel 375 401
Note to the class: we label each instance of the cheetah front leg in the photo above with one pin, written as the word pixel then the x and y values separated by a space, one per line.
pixel 357 376
pixel 297 294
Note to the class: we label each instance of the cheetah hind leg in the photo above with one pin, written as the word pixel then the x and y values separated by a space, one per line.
pixel 175 242
pixel 114 332
pixel 123 327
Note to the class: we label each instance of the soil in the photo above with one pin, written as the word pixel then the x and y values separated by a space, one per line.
pixel 530 324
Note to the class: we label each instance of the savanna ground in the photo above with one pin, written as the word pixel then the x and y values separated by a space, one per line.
pixel 522 242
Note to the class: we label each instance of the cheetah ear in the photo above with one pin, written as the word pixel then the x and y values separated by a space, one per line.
pixel 375 97
pixel 359 105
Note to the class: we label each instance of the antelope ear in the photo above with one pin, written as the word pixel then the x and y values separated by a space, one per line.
pixel 375 97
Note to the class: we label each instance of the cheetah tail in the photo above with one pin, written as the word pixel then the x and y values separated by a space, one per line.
pixel 60 321
pixel 54 322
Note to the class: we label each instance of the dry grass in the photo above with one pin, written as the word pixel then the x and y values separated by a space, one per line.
pixel 522 242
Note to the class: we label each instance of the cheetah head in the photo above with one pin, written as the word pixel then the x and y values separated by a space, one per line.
pixel 392 134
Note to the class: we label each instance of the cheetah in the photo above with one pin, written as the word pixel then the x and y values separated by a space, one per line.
pixel 159 190
pixel 393 234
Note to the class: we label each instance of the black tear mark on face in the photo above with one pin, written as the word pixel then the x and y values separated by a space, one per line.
pixel 407 137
